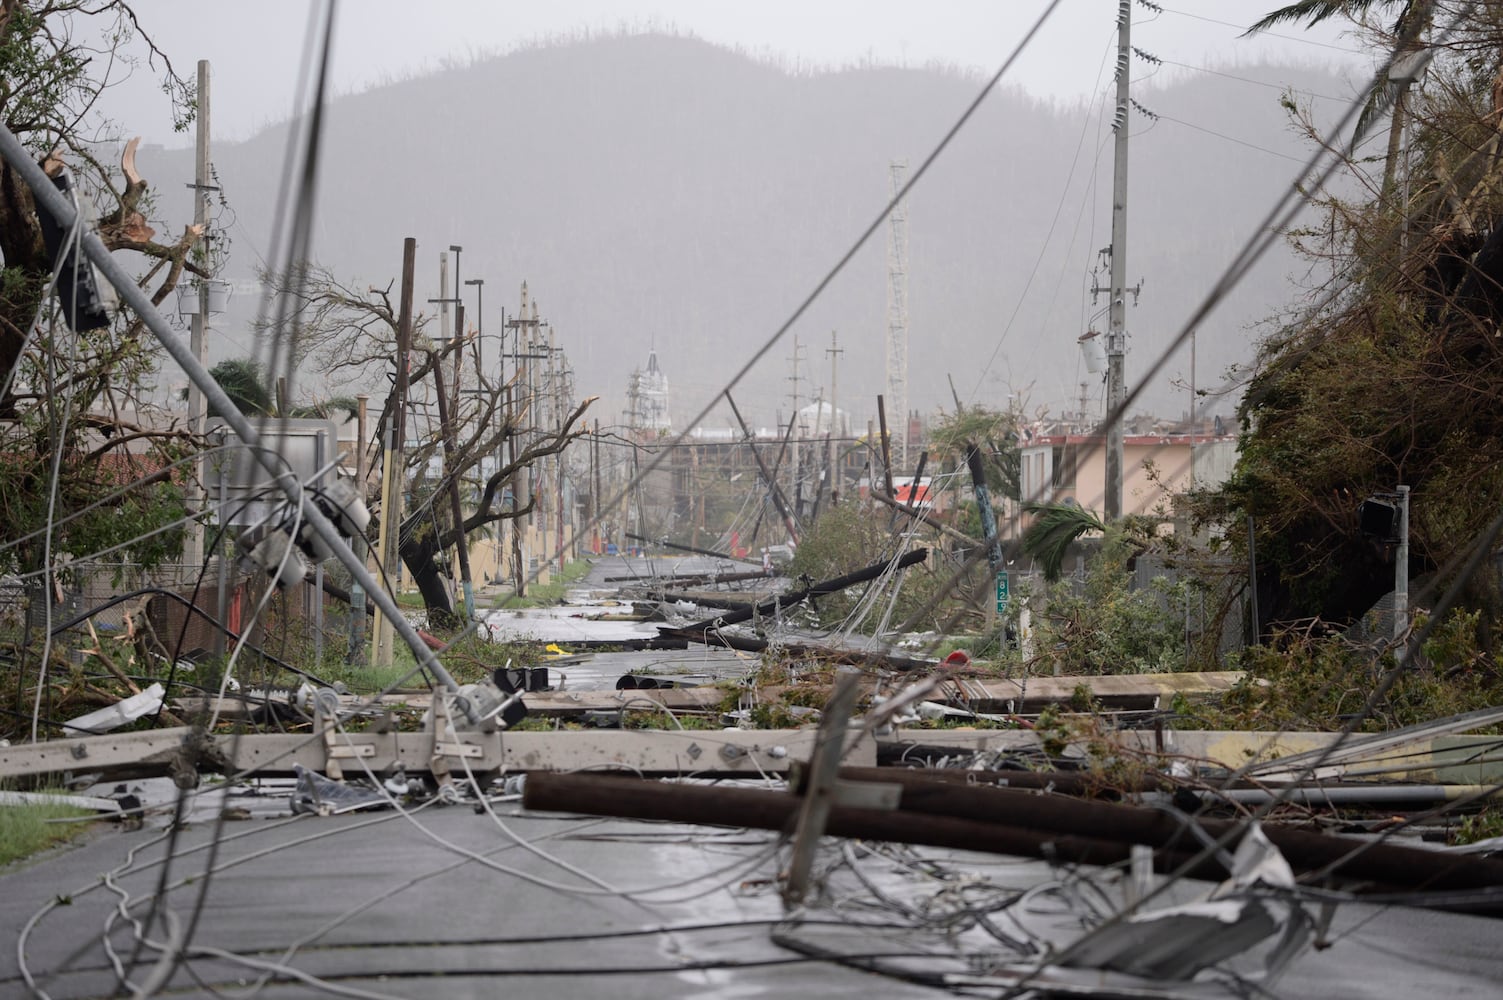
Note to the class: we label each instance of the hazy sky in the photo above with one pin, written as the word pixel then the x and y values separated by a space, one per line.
pixel 255 47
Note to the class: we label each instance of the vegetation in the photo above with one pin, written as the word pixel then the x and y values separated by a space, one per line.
pixel 1106 626
pixel 851 536
pixel 552 592
pixel 351 336
pixel 28 829
pixel 245 381
pixel 1310 679
pixel 67 394
pixel 1391 377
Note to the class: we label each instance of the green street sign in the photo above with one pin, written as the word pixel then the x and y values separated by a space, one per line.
pixel 1002 593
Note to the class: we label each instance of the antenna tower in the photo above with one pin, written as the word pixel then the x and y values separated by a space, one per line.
pixel 897 316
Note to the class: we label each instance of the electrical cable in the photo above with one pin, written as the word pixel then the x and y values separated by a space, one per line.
pixel 1245 30
pixel 1229 138
pixel 1283 88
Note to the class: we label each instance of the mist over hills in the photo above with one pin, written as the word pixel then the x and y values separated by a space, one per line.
pixel 658 192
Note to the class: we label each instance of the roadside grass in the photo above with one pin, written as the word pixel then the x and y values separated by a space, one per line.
pixel 552 592
pixel 25 830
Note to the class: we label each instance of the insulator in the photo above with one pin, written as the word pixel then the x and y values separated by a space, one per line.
pixel 276 556
pixel 341 503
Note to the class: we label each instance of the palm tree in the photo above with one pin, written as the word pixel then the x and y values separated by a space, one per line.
pixel 244 381
pixel 1413 18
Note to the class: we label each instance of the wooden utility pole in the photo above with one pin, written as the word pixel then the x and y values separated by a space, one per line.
pixel 193 549
pixel 394 475
pixel 446 419
pixel 886 447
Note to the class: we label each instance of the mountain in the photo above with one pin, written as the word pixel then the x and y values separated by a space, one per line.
pixel 658 192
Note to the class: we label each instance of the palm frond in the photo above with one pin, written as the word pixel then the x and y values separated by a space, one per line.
pixel 1054 529
pixel 1310 12
pixel 244 382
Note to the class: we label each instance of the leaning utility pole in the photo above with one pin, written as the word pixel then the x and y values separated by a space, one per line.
pixel 193 550
pixel 1116 337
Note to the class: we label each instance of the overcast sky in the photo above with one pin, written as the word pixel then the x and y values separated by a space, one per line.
pixel 255 47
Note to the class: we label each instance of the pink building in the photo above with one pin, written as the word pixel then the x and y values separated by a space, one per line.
pixel 1155 467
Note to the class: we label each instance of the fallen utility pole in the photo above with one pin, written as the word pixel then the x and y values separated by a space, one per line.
pixel 1018 823
pixel 52 201
pixel 919 515
pixel 1086 784
pixel 611 795
pixel 1306 852
pixel 767 477
pixel 713 636
pixel 178 750
pixel 840 583
pixel 708 600
pixel 694 578
pixel 665 543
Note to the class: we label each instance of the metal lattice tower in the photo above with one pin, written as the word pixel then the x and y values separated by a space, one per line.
pixel 897 319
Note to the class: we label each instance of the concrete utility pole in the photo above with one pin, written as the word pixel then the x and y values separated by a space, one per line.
pixel 517 403
pixel 1116 338
pixel 793 419
pixel 193 550
pixel 596 547
pixel 897 313
pixel 833 352
pixel 394 476
pixel 357 592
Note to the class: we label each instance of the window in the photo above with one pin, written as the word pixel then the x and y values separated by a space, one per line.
pixel 1065 458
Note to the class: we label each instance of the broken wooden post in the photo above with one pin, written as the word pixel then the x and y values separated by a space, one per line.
pixel 819 788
